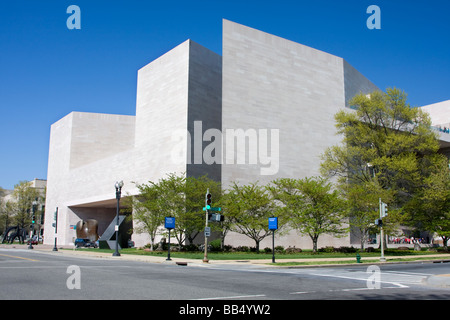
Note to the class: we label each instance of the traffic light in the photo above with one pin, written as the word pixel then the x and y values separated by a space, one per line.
pixel 379 222
pixel 384 209
pixel 208 200
pixel 33 211
pixel 215 217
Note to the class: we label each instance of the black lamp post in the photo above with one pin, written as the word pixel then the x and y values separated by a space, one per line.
pixel 118 186
pixel 33 218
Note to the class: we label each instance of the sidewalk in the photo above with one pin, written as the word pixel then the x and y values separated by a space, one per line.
pixel 265 262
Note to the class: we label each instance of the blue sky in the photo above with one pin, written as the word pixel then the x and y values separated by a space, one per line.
pixel 48 71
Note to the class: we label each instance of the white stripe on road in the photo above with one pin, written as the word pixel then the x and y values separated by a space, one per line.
pixel 411 274
pixel 353 278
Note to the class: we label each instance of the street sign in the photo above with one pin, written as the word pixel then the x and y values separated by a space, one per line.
pixel 169 223
pixel 212 208
pixel 207 231
pixel 216 217
pixel 273 223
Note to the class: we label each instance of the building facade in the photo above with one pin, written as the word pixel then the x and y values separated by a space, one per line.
pixel 440 120
pixel 263 110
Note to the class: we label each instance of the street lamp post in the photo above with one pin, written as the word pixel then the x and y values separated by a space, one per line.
pixel 382 258
pixel 55 218
pixel 118 186
pixel 33 212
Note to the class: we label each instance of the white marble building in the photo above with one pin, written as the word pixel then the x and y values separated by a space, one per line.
pixel 278 95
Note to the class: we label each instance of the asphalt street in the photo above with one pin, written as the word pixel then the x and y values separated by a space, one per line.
pixel 37 275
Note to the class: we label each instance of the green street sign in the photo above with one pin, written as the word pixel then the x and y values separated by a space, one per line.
pixel 212 208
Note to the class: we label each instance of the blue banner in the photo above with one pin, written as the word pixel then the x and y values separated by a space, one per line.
pixel 169 222
pixel 273 223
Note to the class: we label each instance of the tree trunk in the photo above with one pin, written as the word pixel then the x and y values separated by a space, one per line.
pixel 257 246
pixel 314 240
pixel 363 238
pixel 444 241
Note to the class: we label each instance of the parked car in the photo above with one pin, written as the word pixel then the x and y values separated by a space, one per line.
pixel 82 242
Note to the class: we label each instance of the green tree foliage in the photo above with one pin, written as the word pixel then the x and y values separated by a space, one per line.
pixel 430 208
pixel 363 209
pixel 175 196
pixel 386 144
pixel 24 195
pixel 147 211
pixel 312 206
pixel 195 201
pixel 249 208
pixel 385 132
pixel 3 215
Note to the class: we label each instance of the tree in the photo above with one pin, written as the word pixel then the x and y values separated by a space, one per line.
pixel 385 143
pixel 196 188
pixel 147 211
pixel 363 209
pixel 171 201
pixel 3 216
pixel 313 207
pixel 177 196
pixel 249 208
pixel 24 195
pixel 387 134
pixel 430 208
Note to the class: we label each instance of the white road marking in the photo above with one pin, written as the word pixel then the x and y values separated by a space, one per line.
pixel 358 279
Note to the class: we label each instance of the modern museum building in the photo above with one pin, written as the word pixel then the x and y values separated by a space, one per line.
pixel 193 110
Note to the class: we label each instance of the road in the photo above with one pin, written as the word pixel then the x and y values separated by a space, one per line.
pixel 32 274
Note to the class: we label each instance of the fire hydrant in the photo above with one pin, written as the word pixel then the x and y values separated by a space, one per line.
pixel 358 258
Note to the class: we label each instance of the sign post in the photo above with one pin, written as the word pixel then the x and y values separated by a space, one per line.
pixel 169 223
pixel 273 225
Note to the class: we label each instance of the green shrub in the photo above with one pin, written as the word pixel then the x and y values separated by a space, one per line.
pixel 346 250
pixel 279 249
pixel 227 248
pixel 327 249
pixel 243 249
pixel 216 245
pixel 191 248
